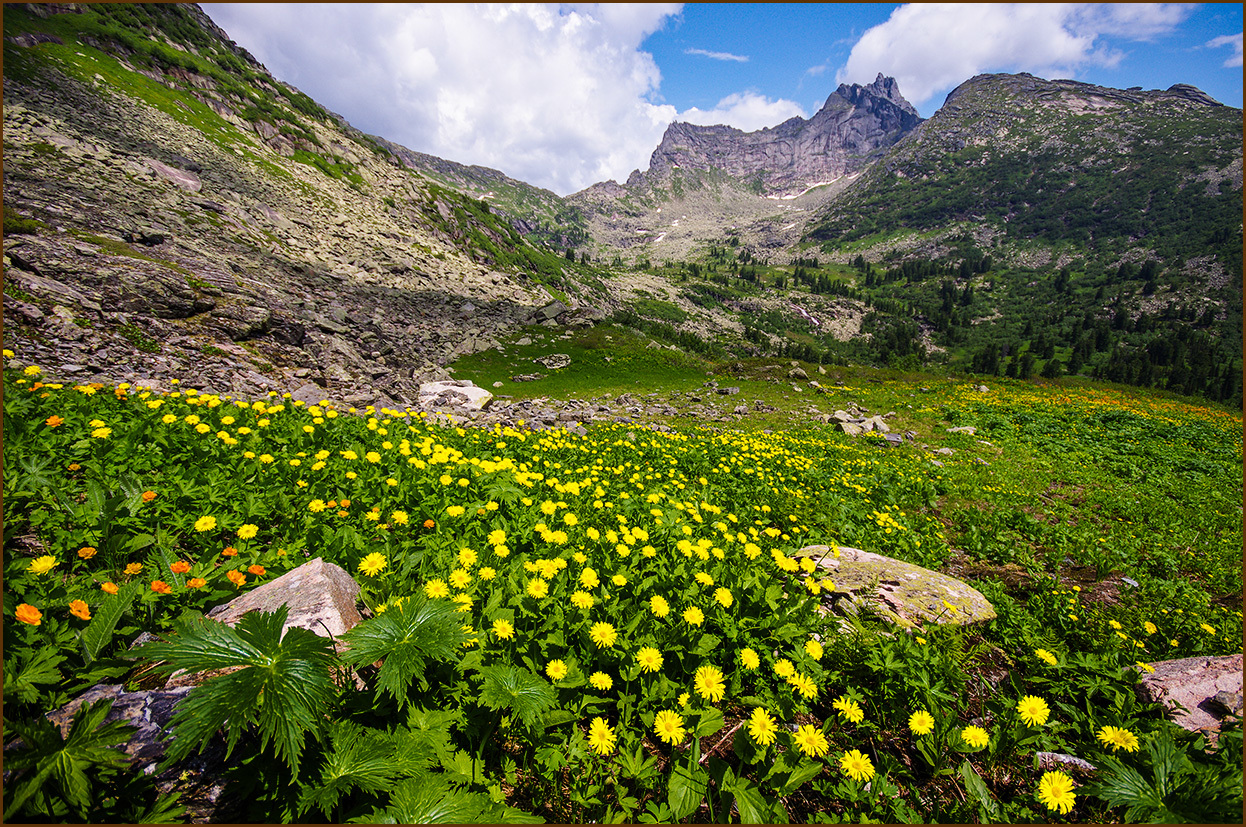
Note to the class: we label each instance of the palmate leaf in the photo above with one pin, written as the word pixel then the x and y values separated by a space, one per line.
pixel 285 685
pixel 360 759
pixel 26 671
pixel 406 639
pixel 521 691
pixel 432 799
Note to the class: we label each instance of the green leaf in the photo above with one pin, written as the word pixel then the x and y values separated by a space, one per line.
pixel 978 791
pixel 96 497
pixel 406 638
pixel 686 790
pixel 430 799
pixel 360 759
pixel 707 645
pixel 711 721
pixel 557 717
pixel 37 667
pixel 752 804
pixel 104 621
pixel 521 691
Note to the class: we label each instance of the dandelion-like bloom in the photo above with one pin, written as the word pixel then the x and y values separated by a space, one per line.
pixel 161 587
pixel 704 579
pixel 1117 739
pixel 87 552
pixel 723 597
pixel 694 616
pixel 650 659
pixel 1045 656
pixel 619 580
pixel 1150 627
pixel 602 634
pixel 804 684
pixel 589 579
pixel 538 588
pixel 247 531
pixel 205 523
pixel 436 588
pixel 487 573
pixel 133 568
pixel 455 510
pixel 42 565
pixel 196 583
pixel 600 680
pixel 79 609
pixel 601 737
pixel 556 669
pixel 811 741
pixel 975 737
pixel 669 726
pixel 1033 710
pixel 1055 791
pixel 373 564
pixel 503 629
pixel 856 765
pixel 399 518
pixel 762 727
pixel 459 578
pixel 101 433
pixel 109 587
pixel 921 722
pixel 849 708
pixel 27 613
pixel 316 506
pixel 467 557
pixel 749 658
pixel 813 649
pixel 496 537
pixel 659 606
pixel 783 668
pixel 582 600
pixel 708 682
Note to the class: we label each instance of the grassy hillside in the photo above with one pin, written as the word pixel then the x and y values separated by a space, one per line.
pixel 568 624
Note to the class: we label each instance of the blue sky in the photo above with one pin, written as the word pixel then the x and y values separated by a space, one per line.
pixel 566 95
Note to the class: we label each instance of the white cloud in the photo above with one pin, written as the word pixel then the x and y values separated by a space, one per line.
pixel 930 48
pixel 717 55
pixel 1234 40
pixel 555 95
pixel 748 111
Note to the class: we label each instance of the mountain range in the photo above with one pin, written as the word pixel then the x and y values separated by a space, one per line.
pixel 169 206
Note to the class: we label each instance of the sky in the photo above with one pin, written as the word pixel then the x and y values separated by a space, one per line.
pixel 563 96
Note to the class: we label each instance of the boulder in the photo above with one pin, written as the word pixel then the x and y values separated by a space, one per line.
pixel 1198 692
pixel 555 361
pixel 876 423
pixel 797 373
pixel 849 428
pixel 309 394
pixel 909 595
pixel 454 393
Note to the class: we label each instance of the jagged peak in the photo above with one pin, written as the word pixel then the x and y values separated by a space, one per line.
pixel 883 87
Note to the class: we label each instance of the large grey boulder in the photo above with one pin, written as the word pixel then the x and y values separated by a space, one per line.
pixel 454 393
pixel 1197 692
pixel 907 594
pixel 319 597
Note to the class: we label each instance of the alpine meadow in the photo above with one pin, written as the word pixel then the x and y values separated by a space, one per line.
pixel 864 467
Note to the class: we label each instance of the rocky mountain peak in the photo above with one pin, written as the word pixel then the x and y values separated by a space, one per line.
pixel 884 88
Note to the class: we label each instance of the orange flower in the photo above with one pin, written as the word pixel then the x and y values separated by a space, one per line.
pixel 54 421
pixel 180 567
pixel 133 568
pixel 86 552
pixel 237 578
pixel 148 496
pixel 27 613
pixel 78 608
pixel 429 524
pixel 73 466
pixel 257 570
pixel 345 503
pixel 229 551
pixel 160 587
pixel 196 583
pixel 109 587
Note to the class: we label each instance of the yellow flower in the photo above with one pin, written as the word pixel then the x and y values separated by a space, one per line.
pixel 556 669
pixel 601 737
pixel 497 537
pixel 749 658
pixel 1046 656
pixel 436 588
pixel 1055 791
pixel 87 552
pixel 805 686
pixel 205 524
pixel 538 588
pixel 582 600
pixel 1118 738
pixel 600 680
pixel 399 518
pixel 856 765
pixel 373 564
pixel 975 737
pixel 1033 710
pixel 921 722
pixel 1150 627
pixel 683 699
pixel 603 634
pixel 372 456
pixel 659 606
pixel 503 630
pixel 588 579
pixel 455 510
pixel 849 708
pixel 133 568
pixel 459 578
pixel 723 597
pixel 813 648
pixel 316 506
pixel 704 579
pixel 619 580
pixel 650 659
pixel 79 609
pixel 694 616
pixel 1211 630
pixel 783 668
pixel 42 565
pixel 708 682
pixel 487 573
pixel 811 741
pixel 762 727
pixel 669 726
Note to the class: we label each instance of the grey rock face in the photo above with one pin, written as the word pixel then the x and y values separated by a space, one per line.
pixel 1195 691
